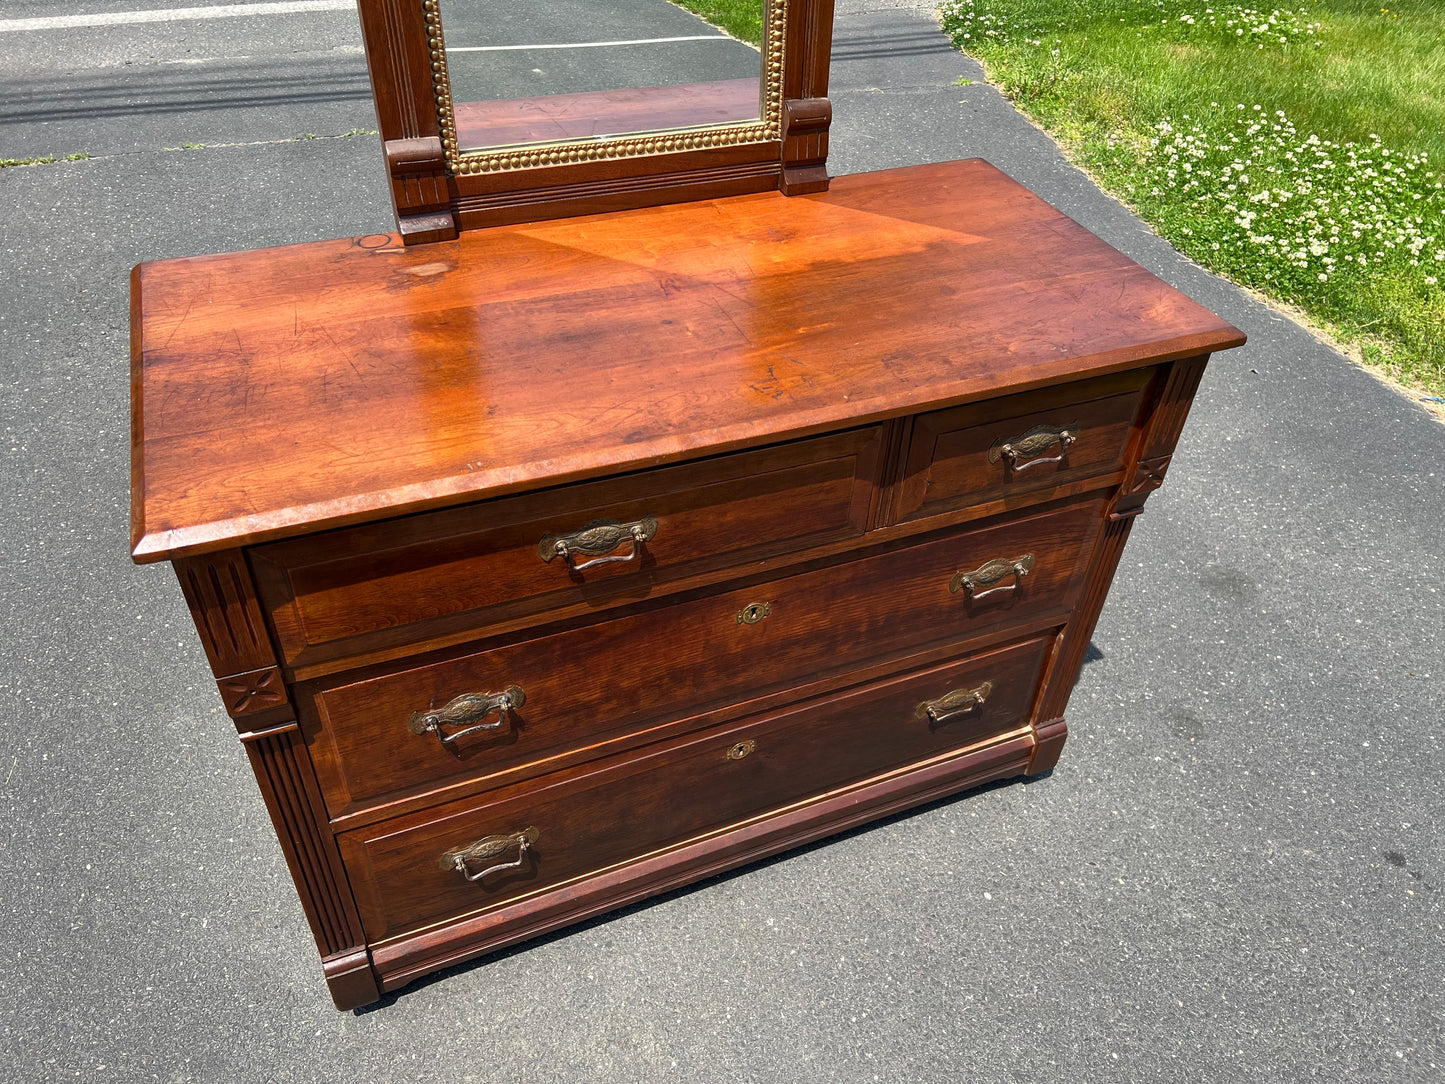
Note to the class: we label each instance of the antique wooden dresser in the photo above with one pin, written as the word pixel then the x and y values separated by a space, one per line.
pixel 571 560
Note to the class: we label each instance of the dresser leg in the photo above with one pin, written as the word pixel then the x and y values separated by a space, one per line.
pixel 351 979
pixel 1050 737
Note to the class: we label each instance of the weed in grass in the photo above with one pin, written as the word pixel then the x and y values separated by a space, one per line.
pixel 1297 150
pixel 1301 218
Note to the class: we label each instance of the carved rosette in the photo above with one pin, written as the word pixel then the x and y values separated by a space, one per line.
pixel 1148 476
pixel 258 690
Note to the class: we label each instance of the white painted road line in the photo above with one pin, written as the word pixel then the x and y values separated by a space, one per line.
pixel 586 44
pixel 170 15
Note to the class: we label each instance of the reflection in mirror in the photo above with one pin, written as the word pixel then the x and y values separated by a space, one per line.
pixel 524 73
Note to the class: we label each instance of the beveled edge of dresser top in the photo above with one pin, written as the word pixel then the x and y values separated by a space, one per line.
pixel 290 390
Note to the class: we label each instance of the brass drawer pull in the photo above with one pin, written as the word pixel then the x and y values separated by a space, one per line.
pixel 1032 442
pixel 987 575
pixel 490 847
pixel 467 708
pixel 955 703
pixel 599 536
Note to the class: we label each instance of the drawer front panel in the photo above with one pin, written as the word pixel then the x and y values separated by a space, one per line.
pixel 996 450
pixel 615 680
pixel 630 806
pixel 482 562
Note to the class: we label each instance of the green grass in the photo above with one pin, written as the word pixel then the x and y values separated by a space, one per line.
pixel 743 19
pixel 1310 168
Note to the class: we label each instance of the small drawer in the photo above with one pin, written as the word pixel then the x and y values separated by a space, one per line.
pixel 1003 448
pixel 586 692
pixel 405 872
pixel 405 579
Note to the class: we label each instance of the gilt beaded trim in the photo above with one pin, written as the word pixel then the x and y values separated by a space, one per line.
pixel 769 126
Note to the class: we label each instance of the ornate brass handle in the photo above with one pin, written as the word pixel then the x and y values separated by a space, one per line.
pixel 490 847
pixel 599 536
pixel 954 703
pixel 468 708
pixel 1036 439
pixel 988 574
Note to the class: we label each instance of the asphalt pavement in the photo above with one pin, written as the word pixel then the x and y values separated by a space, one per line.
pixel 1236 872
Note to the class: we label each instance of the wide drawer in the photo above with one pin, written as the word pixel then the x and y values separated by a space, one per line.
pixel 405 874
pixel 592 690
pixel 420 575
pixel 1004 449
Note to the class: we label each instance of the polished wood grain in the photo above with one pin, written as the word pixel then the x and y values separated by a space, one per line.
pixel 410 579
pixel 1154 441
pixel 622 678
pixel 431 205
pixel 404 959
pixel 288 787
pixel 807 113
pixel 605 112
pixel 949 464
pixel 628 807
pixel 289 390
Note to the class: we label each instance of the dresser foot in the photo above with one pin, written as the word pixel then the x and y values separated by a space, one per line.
pixel 1050 736
pixel 351 979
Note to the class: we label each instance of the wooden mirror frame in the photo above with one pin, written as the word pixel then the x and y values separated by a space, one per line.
pixel 436 194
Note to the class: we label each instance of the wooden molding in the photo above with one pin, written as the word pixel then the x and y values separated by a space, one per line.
pixel 350 977
pixel 394 32
pixel 1160 432
pixel 1069 654
pixel 482 202
pixel 438 190
pixel 805 145
pixel 408 958
pixel 896 435
pixel 222 601
pixel 252 692
pixel 288 785
pixel 1050 736
pixel 419 189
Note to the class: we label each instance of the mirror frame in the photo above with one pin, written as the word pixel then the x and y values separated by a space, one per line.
pixel 438 190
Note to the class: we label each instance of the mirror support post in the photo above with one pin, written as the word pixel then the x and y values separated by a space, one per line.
pixel 807 113
pixel 419 185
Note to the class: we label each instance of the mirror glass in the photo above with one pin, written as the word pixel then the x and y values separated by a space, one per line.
pixel 524 73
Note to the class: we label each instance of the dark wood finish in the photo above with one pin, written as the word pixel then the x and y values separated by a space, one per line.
pixel 605 112
pixel 949 465
pixel 407 959
pixel 351 978
pixel 416 578
pixel 807 113
pixel 805 146
pixel 419 188
pixel 221 595
pixel 799 390
pixel 399 61
pixel 409 86
pixel 628 807
pixel 1153 441
pixel 355 380
pixel 222 600
pixel 288 786
pixel 659 664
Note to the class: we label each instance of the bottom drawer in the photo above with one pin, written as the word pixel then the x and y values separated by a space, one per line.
pixel 542 834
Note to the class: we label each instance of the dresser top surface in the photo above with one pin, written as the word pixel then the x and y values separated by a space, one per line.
pixel 283 391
